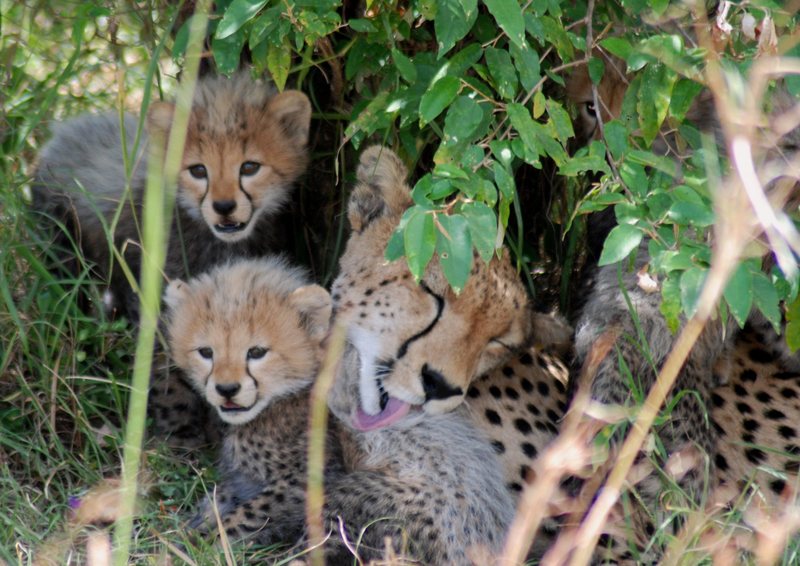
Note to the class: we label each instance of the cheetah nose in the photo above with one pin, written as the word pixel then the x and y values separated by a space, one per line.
pixel 435 385
pixel 224 207
pixel 228 390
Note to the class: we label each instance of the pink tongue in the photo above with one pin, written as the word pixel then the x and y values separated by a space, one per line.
pixel 394 411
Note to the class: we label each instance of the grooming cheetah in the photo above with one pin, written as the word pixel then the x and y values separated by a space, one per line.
pixel 407 364
pixel 248 334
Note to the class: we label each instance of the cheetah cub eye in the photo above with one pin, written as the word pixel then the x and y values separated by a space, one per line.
pixel 206 353
pixel 257 352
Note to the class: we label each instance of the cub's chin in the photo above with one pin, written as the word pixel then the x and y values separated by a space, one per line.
pixel 235 414
pixel 230 231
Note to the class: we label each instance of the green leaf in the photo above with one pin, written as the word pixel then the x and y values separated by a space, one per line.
pixel 504 181
pixel 362 25
pixel 279 60
pixel 508 15
pixel 561 120
pixel 793 325
pixel 454 245
pixel 621 241
pixel 226 52
pixel 527 63
pixel 482 228
pixel 766 299
pixel 739 293
pixel 523 123
pixel 237 14
pixel 395 249
pixel 502 152
pixel 462 120
pixel 654 96
pixel 449 171
pixel 539 103
pixel 502 71
pixel 419 239
pixel 596 69
pixel 690 213
pixel 661 163
pixel 437 98
pixel 404 66
pixel 683 94
pixel 454 19
pixel 616 137
pixel 671 303
pixel 692 282
pixel 618 46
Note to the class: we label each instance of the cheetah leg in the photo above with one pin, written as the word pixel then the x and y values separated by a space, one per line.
pixel 374 507
pixel 253 511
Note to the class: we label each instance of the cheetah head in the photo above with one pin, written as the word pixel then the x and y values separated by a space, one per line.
pixel 245 146
pixel 247 333
pixel 418 345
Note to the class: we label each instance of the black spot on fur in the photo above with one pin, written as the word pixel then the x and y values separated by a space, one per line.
pixel 498 446
pixel 511 393
pixel 739 390
pixel 774 414
pixel 777 486
pixel 748 375
pixel 543 388
pixel 508 371
pixel 523 472
pixel 717 400
pixel 755 455
pixel 493 417
pixel 761 356
pixel 744 408
pixel 552 415
pixel 529 450
pixel 788 393
pixel 763 396
pixel 533 409
pixel 748 438
pixel 721 462
pixel 526 359
pixel 526 385
pixel 473 393
pixel 787 432
pixel 495 391
pixel 751 425
pixel 523 426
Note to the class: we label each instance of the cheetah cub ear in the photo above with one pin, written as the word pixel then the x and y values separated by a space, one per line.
pixel 381 189
pixel 175 293
pixel 159 117
pixel 313 303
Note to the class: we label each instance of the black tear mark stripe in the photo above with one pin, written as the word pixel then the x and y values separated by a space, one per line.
pixel 241 188
pixel 439 309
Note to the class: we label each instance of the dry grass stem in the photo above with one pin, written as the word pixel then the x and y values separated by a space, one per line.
pixel 318 429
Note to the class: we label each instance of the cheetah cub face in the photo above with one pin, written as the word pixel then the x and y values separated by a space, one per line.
pixel 247 333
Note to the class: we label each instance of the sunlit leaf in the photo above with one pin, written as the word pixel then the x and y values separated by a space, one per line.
pixel 454 246
pixel 237 14
pixel 621 241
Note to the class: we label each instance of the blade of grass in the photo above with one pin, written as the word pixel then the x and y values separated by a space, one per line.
pixel 158 201
pixel 318 426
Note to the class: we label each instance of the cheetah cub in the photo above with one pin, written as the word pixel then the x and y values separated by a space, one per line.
pixel 249 335
pixel 245 148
